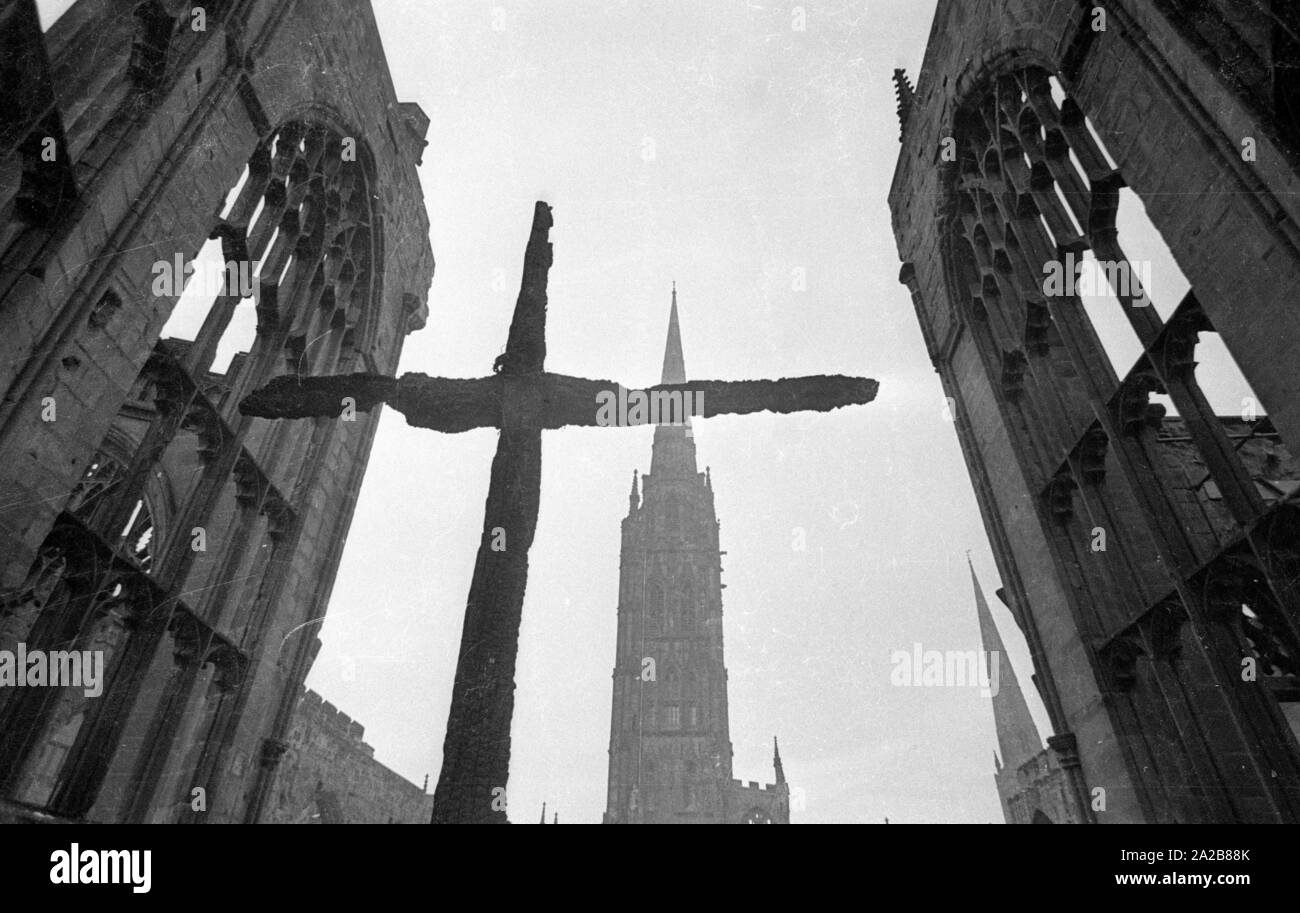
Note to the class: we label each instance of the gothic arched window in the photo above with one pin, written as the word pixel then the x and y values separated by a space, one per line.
pixel 686 604
pixel 1076 347
pixel 294 267
pixel 654 613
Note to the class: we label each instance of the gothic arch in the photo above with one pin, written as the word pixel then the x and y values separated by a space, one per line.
pixel 1033 187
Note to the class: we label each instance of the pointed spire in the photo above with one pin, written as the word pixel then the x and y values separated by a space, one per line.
pixel 557 818
pixel 674 444
pixel 1018 739
pixel 776 762
pixel 903 89
pixel 674 364
pixel 543 821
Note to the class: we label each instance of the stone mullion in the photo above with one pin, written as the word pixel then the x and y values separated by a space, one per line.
pixel 1126 595
pixel 115 620
pixel 1280 564
pixel 1180 383
pixel 212 760
pixel 1150 731
pixel 1063 546
pixel 22 716
pixel 287 534
pixel 989 338
pixel 1071 124
pixel 1055 157
pixel 171 402
pixel 251 491
pixel 1072 322
pixel 300 287
pixel 1159 515
pixel 250 613
pixel 1071 328
pixel 1052 410
pixel 247 563
pixel 1034 239
pixel 1207 432
pixel 275 199
pixel 1266 744
pixel 253 191
pixel 268 220
pixel 21 610
pixel 222 723
pixel 1200 746
pixel 1111 587
pixel 189 695
pixel 174 567
pixel 199 506
pixel 1054 151
pixel 328 345
pixel 1089 358
pixel 198 359
pixel 177 694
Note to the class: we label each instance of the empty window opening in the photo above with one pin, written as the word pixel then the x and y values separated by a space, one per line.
pixel 235 191
pixel 201 290
pixel 239 337
pixel 1222 382
pixel 1092 131
pixel 1058 92
pixel 1108 319
pixel 1069 211
pixel 270 246
pixel 1150 255
pixel 257 212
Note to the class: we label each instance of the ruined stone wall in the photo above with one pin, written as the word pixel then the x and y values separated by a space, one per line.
pixel 1036 792
pixel 154 121
pixel 329 775
pixel 1139 639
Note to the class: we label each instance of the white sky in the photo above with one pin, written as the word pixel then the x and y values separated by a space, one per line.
pixel 772 151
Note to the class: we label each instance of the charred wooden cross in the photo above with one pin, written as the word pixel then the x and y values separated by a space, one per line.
pixel 521 399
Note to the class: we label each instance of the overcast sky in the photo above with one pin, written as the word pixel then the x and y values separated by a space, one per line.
pixel 719 146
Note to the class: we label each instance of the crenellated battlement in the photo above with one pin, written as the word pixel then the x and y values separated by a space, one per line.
pixel 318 710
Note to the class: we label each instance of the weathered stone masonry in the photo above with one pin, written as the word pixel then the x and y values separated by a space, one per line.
pixel 1139 649
pixel 153 124
pixel 329 775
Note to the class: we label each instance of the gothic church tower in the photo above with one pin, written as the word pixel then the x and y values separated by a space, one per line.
pixel 670 746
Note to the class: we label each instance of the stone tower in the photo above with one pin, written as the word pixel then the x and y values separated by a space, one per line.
pixel 1030 782
pixel 144 519
pixel 670 745
pixel 1150 549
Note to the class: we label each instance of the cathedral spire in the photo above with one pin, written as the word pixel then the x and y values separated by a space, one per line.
pixel 634 499
pixel 776 762
pixel 674 364
pixel 1018 739
pixel 543 821
pixel 674 446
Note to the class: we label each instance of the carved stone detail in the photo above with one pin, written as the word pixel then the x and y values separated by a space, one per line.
pixel 1135 409
pixel 1092 456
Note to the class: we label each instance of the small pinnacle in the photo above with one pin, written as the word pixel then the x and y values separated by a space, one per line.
pixel 905 93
